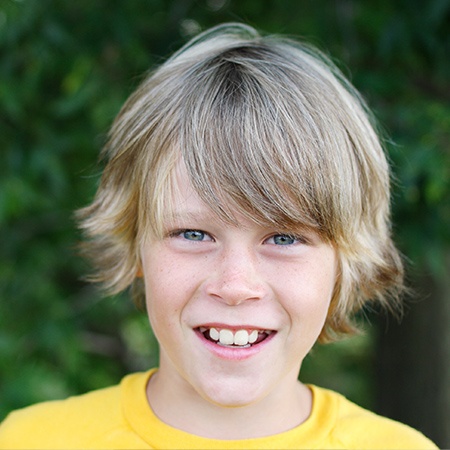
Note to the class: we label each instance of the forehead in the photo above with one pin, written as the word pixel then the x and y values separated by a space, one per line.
pixel 184 202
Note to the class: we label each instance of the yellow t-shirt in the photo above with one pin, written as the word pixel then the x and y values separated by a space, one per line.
pixel 119 417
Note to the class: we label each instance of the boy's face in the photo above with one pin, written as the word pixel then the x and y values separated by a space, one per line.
pixel 209 283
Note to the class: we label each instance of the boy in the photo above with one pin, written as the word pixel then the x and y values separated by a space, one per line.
pixel 246 199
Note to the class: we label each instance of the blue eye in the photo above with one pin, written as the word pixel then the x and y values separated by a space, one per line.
pixel 284 239
pixel 194 235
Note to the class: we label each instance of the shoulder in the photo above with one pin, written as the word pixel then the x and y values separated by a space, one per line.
pixel 77 421
pixel 356 427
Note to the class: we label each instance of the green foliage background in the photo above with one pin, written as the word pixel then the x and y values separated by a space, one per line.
pixel 65 69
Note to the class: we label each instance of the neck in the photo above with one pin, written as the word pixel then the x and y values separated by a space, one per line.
pixel 183 408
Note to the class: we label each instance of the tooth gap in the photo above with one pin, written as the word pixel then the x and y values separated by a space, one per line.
pixel 206 335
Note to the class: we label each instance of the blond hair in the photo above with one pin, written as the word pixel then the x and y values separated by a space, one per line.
pixel 266 127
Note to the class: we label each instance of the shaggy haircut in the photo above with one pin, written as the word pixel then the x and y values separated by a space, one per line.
pixel 268 128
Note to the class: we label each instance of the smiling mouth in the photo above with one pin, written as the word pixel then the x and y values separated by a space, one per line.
pixel 234 339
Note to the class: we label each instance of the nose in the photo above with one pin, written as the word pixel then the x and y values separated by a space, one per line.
pixel 236 278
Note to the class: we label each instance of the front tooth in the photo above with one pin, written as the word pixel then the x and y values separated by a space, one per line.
pixel 214 334
pixel 253 336
pixel 241 337
pixel 226 337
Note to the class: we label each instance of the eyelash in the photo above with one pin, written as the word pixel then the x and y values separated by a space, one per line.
pixel 296 239
pixel 182 233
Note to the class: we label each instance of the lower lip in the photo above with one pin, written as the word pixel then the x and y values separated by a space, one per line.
pixel 234 353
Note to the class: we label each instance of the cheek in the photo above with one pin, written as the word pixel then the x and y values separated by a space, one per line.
pixel 161 307
pixel 157 287
pixel 167 289
pixel 307 293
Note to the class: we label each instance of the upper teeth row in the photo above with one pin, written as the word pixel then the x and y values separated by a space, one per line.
pixel 228 337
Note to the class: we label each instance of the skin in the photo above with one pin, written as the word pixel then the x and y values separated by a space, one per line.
pixel 204 272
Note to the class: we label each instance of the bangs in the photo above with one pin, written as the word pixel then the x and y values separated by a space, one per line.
pixel 249 151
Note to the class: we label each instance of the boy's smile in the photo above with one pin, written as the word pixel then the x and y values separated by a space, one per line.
pixel 230 342
pixel 235 309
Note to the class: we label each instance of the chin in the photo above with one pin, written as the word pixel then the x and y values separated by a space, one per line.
pixel 232 393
